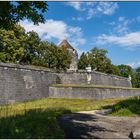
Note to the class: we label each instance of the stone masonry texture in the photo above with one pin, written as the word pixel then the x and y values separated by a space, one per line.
pixel 19 83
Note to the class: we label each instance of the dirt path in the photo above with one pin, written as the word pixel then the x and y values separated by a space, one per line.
pixel 92 125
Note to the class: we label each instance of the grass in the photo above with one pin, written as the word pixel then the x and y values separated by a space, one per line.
pixel 90 86
pixel 127 107
pixel 38 118
pixel 34 124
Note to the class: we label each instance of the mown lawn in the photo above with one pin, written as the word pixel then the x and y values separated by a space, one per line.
pixel 38 118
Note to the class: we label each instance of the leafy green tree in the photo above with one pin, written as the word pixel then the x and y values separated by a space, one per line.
pixel 16 46
pixel 54 57
pixel 83 61
pixel 138 69
pixel 12 44
pixel 63 58
pixel 31 48
pixel 113 69
pixel 136 78
pixel 99 61
pixel 125 70
pixel 12 12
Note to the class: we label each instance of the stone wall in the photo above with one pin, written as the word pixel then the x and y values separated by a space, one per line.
pixel 97 78
pixel 19 83
pixel 91 92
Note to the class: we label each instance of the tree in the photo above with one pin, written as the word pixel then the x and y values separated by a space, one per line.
pixel 83 61
pixel 12 12
pixel 63 58
pixel 54 57
pixel 31 48
pixel 125 70
pixel 16 46
pixel 138 69
pixel 136 78
pixel 12 44
pixel 50 57
pixel 113 69
pixel 98 60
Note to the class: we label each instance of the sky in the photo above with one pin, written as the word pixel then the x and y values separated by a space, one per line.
pixel 114 26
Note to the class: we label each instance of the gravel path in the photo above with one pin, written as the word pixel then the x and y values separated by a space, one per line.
pixel 90 124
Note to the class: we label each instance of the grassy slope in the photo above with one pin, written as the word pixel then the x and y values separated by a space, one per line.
pixel 127 107
pixel 37 119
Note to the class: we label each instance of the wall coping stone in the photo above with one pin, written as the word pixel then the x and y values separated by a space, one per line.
pixel 90 86
pixel 25 67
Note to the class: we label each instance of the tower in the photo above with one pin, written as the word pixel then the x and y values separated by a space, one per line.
pixel 73 52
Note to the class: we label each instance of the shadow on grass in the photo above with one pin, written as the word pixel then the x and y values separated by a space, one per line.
pixel 128 107
pixel 35 123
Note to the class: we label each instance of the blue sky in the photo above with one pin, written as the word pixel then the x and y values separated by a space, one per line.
pixel 114 26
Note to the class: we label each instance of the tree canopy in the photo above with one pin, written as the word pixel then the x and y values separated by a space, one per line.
pixel 17 46
pixel 125 70
pixel 98 60
pixel 83 61
pixel 11 12
pixel 136 78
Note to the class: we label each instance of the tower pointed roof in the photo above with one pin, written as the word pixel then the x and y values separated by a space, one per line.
pixel 66 44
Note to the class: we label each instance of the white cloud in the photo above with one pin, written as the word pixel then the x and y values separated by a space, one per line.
pixel 134 64
pixel 92 9
pixel 51 29
pixel 78 18
pixel 76 5
pixel 121 18
pixel 56 29
pixel 129 41
pixel 121 26
pixel 90 13
pixel 107 8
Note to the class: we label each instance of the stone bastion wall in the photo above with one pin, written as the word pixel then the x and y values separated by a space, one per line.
pixel 20 83
pixel 95 78
pixel 91 92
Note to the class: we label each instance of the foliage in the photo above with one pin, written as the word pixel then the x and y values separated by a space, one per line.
pixel 136 78
pixel 12 44
pixel 63 58
pixel 98 60
pixel 27 48
pixel 11 12
pixel 138 69
pixel 125 70
pixel 55 57
pixel 83 61
pixel 115 70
